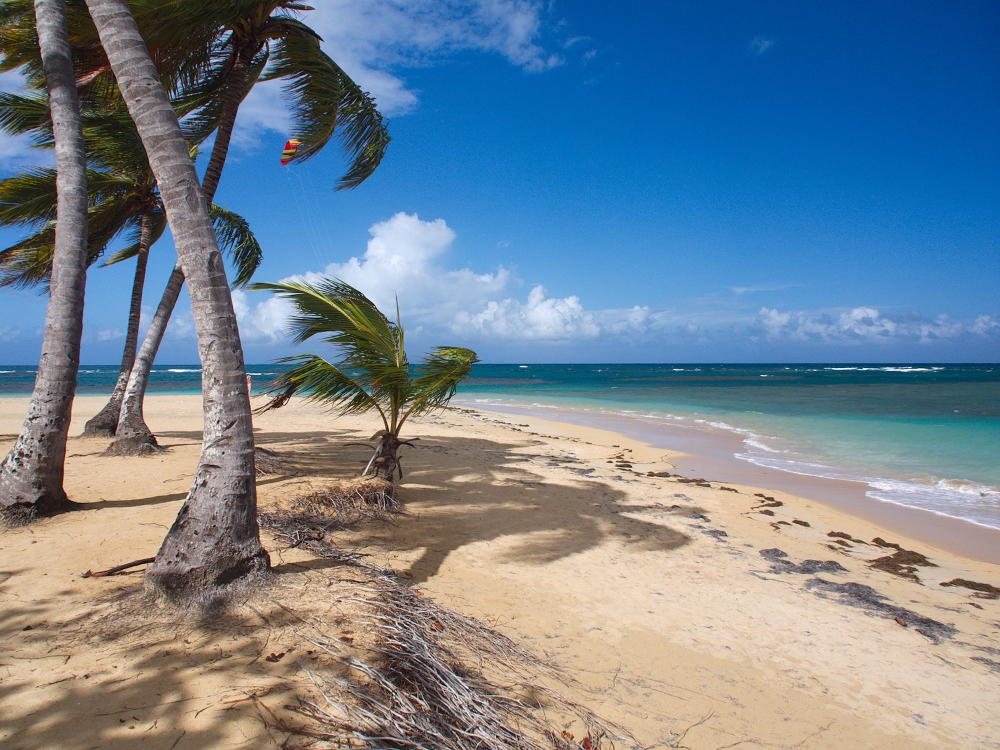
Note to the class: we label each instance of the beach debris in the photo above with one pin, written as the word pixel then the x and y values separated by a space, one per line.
pixel 902 563
pixel 766 512
pixel 983 590
pixel 118 568
pixel 441 681
pixel 844 535
pixel 268 463
pixel 728 489
pixel 341 505
pixel 801 523
pixel 275 658
pixel 865 597
pixel 779 564
pixel 994 666
pixel 717 533
pixel 901 622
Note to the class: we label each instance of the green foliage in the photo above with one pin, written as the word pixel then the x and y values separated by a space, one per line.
pixel 372 371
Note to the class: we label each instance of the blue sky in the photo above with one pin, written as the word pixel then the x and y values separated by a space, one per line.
pixel 652 182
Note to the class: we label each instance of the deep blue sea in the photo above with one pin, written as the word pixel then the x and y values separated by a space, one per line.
pixel 926 436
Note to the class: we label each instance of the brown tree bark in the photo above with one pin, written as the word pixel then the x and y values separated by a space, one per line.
pixel 215 538
pixel 105 422
pixel 31 476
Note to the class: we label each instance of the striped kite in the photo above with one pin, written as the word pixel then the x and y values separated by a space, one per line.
pixel 291 146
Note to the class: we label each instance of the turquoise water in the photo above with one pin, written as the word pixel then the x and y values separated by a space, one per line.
pixel 927 436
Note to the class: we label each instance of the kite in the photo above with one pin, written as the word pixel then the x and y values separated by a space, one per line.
pixel 291 146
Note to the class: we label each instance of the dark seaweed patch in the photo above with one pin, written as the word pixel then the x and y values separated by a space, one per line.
pixel 865 597
pixel 985 590
pixel 902 563
pixel 776 557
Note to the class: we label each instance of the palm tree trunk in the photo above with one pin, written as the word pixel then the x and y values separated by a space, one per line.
pixel 105 423
pixel 31 476
pixel 215 538
pixel 227 120
pixel 139 438
pixel 132 436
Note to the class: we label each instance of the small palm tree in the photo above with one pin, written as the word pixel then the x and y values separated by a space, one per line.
pixel 373 373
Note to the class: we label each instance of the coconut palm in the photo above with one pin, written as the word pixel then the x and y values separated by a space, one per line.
pixel 215 538
pixel 373 372
pixel 31 476
pixel 216 53
pixel 124 200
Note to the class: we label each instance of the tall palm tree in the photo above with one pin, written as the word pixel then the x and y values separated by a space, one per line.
pixel 215 538
pixel 217 53
pixel 373 372
pixel 123 200
pixel 31 476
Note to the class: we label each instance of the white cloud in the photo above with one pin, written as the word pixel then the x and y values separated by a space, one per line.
pixel 406 260
pixel 372 40
pixel 759 45
pixel 109 335
pixel 17 151
pixel 8 334
pixel 868 325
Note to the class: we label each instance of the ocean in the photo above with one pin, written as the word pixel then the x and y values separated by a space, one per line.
pixel 924 435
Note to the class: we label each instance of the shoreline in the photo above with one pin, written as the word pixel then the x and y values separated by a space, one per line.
pixel 711 454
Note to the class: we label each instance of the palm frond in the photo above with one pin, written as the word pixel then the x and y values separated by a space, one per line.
pixel 238 242
pixel 158 225
pixel 325 102
pixel 368 343
pixel 323 382
pixel 438 376
pixel 29 199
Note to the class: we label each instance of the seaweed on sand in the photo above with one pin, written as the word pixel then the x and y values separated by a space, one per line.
pixel 865 597
pixel 779 564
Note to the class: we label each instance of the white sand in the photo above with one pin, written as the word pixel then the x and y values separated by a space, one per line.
pixel 527 527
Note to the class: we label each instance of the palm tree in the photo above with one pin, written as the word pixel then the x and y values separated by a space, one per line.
pixel 31 476
pixel 215 538
pixel 216 53
pixel 373 373
pixel 123 200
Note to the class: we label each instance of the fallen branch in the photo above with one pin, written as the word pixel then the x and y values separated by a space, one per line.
pixel 119 568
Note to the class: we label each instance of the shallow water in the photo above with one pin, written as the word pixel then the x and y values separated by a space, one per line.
pixel 924 436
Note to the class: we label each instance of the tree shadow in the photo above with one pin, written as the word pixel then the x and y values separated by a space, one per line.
pixel 539 520
pixel 153 697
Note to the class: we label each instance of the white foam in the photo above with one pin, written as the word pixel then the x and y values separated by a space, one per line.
pixel 181 370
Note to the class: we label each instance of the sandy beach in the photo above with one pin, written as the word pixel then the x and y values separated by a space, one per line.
pixel 693 614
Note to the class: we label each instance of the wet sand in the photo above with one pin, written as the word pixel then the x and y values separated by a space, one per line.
pixel 712 453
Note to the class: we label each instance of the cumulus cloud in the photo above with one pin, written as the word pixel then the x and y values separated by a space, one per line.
pixel 406 259
pixel 372 40
pixel 867 325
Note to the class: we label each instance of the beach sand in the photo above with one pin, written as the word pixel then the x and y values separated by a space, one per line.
pixel 652 592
